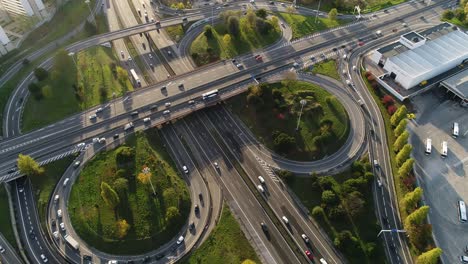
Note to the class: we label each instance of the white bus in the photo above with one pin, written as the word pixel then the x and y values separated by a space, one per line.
pixel 462 211
pixel 428 146
pixel 455 130
pixel 135 77
pixel 210 94
pixel 444 149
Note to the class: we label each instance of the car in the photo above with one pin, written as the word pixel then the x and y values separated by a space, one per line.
pixel 56 198
pixel 129 58
pixel 168 104
pixel 185 169
pixel 150 56
pixel 112 262
pixel 62 226
pixel 197 208
pixel 128 126
pixel 134 113
pixel 95 140
pixel 335 49
pixel 116 136
pixel 285 219
pixel 166 112
pixel 283 4
pixel 296 65
pixel 354 68
pixel 32 235
pixel 146 259
pixel 55 234
pixel 76 164
pixel 59 213
pixel 44 258
pixel 191 102
pixel 80 145
pixel 216 165
pixel 272 3
pixel 122 54
pixel 309 255
pixel 102 140
pixel 180 240
pixel 322 261
pixel 404 25
pixel 252 1
pixel 258 57
pixel 146 119
pixel 264 227
pixel 11 170
pixel 305 238
pixel 200 196
pixel 379 183
pixel 20 189
pixel 159 256
pixel 164 88
pixel 99 110
pixel 87 257
pixel 260 188
pixel 234 61
pixel 169 53
pixel 192 226
pixel 394 30
pixel 153 108
pixel 376 163
pixel 181 86
pixel 92 117
pixel 262 181
pixel 361 43
pixel 65 182
pixel 239 66
pixel 2 250
pixel 464 259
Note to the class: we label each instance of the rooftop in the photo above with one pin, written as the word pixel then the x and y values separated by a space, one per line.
pixel 458 84
pixel 392 49
pixel 413 37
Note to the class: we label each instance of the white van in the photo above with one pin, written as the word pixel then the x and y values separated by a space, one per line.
pixel 262 181
pixel 56 198
pixel 260 188
pixel 65 182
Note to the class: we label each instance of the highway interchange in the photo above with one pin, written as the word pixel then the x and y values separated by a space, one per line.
pixel 231 145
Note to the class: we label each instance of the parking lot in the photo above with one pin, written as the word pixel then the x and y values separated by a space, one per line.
pixel 444 180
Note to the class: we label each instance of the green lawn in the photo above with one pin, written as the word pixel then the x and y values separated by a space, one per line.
pixel 328 68
pixel 177 32
pixel 95 221
pixel 5 224
pixel 305 25
pixel 366 7
pixel 69 92
pixel 323 114
pixel 204 50
pixel 226 244
pixel 363 226
pixel 44 185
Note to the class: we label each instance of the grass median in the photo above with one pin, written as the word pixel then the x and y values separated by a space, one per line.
pixel 327 68
pixel 306 25
pixel 226 244
pixel 119 207
pixel 271 112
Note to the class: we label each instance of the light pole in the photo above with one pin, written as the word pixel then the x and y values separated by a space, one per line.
pixel 391 231
pixel 302 102
pixel 90 11
pixel 318 10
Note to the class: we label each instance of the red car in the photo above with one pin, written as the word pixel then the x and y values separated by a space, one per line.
pixel 258 57
pixel 360 43
pixel 309 255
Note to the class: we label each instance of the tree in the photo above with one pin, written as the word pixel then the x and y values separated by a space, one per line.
pixel 283 142
pixel 122 75
pixel 460 14
pixel 466 8
pixel 398 115
pixel 406 168
pixel 233 26
pixel 318 212
pixel 354 203
pixel 387 100
pixel 145 177
pixel 429 257
pixel 261 13
pixel 448 14
pixel 401 127
pixel 109 195
pixel 248 261
pixel 285 175
pixel 41 74
pixel 28 166
pixel 411 199
pixel 251 17
pixel 120 185
pixel 275 22
pixel 333 14
pixel 401 141
pixel 227 40
pixel 290 9
pixel 122 228
pixel 35 90
pixel 417 217
pixel 124 155
pixel 208 31
pixel 90 28
pixel 329 197
pixel 404 154
pixel 172 213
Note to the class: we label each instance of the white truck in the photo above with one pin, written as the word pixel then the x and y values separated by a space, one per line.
pixel 72 242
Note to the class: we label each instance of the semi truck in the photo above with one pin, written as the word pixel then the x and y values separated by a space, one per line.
pixel 72 242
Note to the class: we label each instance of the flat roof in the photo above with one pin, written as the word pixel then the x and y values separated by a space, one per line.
pixel 433 54
pixel 438 31
pixel 392 49
pixel 413 37
pixel 458 84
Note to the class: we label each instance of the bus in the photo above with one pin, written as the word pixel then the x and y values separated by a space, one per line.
pixel 135 77
pixel 462 211
pixel 428 146
pixel 444 149
pixel 455 130
pixel 210 94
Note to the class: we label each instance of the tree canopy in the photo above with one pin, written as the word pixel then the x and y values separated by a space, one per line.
pixel 29 166
pixel 109 195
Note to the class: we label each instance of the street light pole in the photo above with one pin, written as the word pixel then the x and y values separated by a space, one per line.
pixel 302 102
pixel 90 11
pixel 318 10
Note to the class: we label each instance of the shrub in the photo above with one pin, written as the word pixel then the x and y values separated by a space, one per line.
pixel 329 197
pixel 391 109
pixel 336 212
pixel 387 100
pixel 41 74
pixel 318 212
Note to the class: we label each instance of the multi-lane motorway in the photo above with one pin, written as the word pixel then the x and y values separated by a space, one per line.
pixel 61 137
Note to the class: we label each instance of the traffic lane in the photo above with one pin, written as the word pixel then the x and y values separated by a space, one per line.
pixel 9 256
pixel 243 202
pixel 29 224
pixel 298 223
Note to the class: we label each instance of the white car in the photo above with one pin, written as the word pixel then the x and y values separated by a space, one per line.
pixel 260 188
pixel 180 240
pixel 296 65
pixel 285 220
pixel 99 110
pixel 56 234
pixel 322 261
pixel 92 117
pixel 305 238
pixel 95 140
pixel 59 213
pixel 216 165
pixel 185 169
pixel 168 104
pixel 80 145
pixel 102 140
pixel 239 65
pixel 2 250
pixel 150 56
pixel 379 183
pixel 147 119
pixel 44 259
pixel 56 198
pixel 62 226
pixel 166 112
pixel 77 163
pixel 112 262
pixel 262 181
pixel 464 259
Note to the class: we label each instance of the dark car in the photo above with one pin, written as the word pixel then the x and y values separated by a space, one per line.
pixel 146 259
pixel 200 196
pixel 11 170
pixel 264 227
pixel 134 113
pixel 159 256
pixel 116 136
pixel 87 257
pixel 197 209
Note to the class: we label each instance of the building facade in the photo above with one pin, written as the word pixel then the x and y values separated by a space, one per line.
pixel 5 43
pixel 23 7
